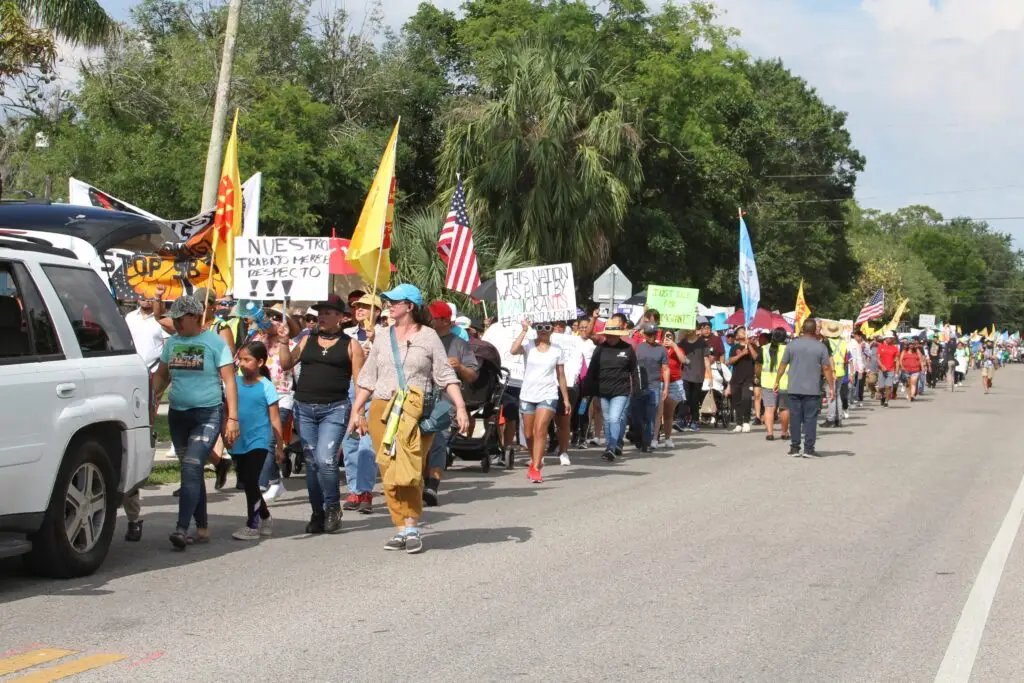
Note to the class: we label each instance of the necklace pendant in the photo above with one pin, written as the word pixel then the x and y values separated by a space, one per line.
pixel 323 352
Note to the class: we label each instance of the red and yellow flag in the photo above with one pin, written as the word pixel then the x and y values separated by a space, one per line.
pixel 227 218
pixel 803 311
pixel 369 252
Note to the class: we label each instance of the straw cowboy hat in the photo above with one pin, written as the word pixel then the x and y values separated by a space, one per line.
pixel 614 329
pixel 831 329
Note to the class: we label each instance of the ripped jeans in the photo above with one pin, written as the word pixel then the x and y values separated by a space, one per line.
pixel 194 433
pixel 321 427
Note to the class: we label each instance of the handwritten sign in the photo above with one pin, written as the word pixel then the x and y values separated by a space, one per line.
pixel 926 321
pixel 282 267
pixel 541 294
pixel 677 306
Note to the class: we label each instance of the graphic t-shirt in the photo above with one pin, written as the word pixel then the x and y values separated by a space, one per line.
pixel 254 401
pixel 194 364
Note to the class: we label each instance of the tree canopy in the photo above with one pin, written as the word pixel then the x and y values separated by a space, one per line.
pixel 588 134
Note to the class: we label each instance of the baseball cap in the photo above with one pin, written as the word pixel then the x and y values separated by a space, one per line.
pixel 310 313
pixel 649 328
pixel 463 321
pixel 185 305
pixel 204 296
pixel 405 292
pixel 440 310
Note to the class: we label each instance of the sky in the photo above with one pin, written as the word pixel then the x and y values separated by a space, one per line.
pixel 931 88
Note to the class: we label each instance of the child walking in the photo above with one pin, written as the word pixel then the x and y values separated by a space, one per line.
pixel 259 426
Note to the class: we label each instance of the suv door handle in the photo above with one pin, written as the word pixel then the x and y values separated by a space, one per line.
pixel 66 390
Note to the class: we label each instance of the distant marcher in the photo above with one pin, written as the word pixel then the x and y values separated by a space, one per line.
pixel 806 359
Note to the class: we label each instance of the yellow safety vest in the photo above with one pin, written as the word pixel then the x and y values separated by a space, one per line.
pixel 839 359
pixel 768 376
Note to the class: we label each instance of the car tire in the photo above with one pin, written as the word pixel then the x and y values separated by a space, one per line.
pixel 85 482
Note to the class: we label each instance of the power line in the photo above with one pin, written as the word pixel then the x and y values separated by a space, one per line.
pixel 908 194
pixel 843 222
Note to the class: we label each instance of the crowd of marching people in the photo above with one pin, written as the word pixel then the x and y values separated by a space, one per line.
pixel 384 386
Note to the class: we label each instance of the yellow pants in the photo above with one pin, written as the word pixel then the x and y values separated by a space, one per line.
pixel 401 476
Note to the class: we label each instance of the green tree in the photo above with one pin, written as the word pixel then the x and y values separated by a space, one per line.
pixel 551 159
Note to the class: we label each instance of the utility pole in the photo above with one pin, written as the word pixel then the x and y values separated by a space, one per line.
pixel 220 109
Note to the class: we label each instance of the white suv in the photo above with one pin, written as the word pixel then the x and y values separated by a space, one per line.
pixel 74 410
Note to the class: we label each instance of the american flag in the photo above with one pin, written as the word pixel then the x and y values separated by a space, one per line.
pixel 873 308
pixel 455 245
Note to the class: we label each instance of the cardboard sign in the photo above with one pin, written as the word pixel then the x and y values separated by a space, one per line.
pixel 541 294
pixel 282 268
pixel 926 321
pixel 677 306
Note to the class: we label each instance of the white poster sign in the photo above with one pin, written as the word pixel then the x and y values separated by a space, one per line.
pixel 282 268
pixel 541 294
pixel 926 321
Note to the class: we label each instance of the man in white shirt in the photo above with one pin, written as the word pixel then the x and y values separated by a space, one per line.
pixel 144 324
pixel 148 336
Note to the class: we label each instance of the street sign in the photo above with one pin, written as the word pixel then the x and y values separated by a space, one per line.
pixel 612 286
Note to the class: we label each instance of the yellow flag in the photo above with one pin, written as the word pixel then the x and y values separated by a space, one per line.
pixel 868 331
pixel 369 252
pixel 895 322
pixel 803 311
pixel 227 218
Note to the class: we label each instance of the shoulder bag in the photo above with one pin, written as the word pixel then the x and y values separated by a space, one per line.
pixel 436 408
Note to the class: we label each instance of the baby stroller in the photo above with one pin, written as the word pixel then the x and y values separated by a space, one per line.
pixel 483 401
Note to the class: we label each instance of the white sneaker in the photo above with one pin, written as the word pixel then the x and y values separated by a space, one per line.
pixel 668 443
pixel 746 427
pixel 846 415
pixel 274 492
pixel 737 429
pixel 246 534
pixel 267 526
pixel 593 442
pixel 657 444
pixel 563 458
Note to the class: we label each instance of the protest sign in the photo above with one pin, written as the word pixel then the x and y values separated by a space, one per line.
pixel 677 306
pixel 541 294
pixel 282 267
pixel 926 321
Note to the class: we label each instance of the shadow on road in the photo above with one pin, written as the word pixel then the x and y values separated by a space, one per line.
pixel 463 538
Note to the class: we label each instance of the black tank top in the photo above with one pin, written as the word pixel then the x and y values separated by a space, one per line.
pixel 325 374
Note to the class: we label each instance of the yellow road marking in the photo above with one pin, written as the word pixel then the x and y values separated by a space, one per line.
pixel 27 660
pixel 77 666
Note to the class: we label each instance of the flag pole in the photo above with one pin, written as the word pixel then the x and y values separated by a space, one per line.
pixel 213 264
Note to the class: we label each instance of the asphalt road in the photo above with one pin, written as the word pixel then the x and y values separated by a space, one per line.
pixel 723 560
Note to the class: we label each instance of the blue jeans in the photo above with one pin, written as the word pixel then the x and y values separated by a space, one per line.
pixel 804 411
pixel 321 427
pixel 194 433
pixel 271 471
pixel 438 455
pixel 360 458
pixel 614 411
pixel 645 412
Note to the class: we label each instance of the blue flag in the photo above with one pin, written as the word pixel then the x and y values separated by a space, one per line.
pixel 750 286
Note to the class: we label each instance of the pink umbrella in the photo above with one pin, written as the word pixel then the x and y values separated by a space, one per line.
pixel 763 320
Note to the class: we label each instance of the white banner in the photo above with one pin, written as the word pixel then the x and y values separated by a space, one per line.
pixel 541 293
pixel 282 268
pixel 83 194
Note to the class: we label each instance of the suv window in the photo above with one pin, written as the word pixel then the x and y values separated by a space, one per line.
pixel 26 330
pixel 98 325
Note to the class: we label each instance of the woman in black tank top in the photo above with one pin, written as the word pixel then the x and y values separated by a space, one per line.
pixel 330 361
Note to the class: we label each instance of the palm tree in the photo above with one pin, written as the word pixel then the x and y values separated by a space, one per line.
pixel 415 254
pixel 550 155
pixel 80 22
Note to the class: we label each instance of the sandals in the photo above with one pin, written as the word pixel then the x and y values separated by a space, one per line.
pixel 769 437
pixel 181 540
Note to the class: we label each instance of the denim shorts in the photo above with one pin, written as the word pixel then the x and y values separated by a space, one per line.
pixel 676 392
pixel 530 407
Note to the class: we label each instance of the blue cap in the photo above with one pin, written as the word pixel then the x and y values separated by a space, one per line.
pixel 404 292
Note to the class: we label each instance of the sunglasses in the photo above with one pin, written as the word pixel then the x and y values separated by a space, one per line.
pixel 543 327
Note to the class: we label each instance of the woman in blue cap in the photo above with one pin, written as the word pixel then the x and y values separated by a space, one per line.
pixel 404 369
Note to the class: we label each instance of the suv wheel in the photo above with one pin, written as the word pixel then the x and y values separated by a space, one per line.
pixel 79 523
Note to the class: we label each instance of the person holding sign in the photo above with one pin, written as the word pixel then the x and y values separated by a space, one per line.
pixel 543 383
